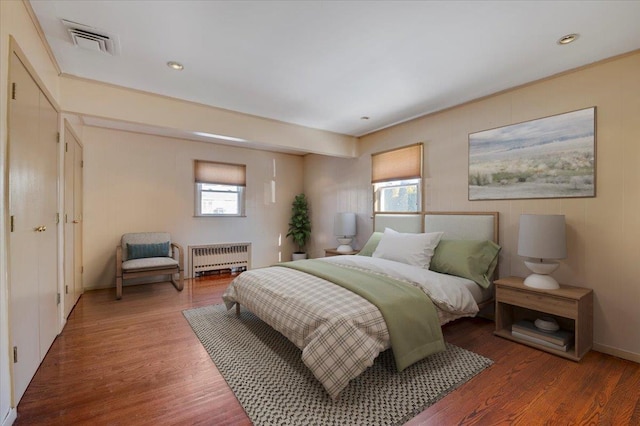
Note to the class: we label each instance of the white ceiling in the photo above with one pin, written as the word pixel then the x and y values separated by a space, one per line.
pixel 325 64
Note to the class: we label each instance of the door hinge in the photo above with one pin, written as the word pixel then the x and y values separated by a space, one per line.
pixel 58 300
pixel 66 147
pixel 57 218
pixel 15 354
pixel 58 137
pixel 12 223
pixel 13 91
pixel 66 220
pixel 82 269
pixel 82 164
pixel 66 289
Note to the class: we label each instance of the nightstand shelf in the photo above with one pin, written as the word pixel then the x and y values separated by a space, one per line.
pixel 334 252
pixel 571 306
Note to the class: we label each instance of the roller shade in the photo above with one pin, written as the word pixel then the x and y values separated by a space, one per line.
pixel 220 173
pixel 398 164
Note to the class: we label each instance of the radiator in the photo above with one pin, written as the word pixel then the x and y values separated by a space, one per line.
pixel 215 257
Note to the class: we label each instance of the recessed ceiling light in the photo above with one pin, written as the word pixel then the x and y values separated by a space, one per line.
pixel 364 117
pixel 568 39
pixel 175 65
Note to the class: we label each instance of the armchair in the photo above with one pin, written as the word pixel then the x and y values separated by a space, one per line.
pixel 148 254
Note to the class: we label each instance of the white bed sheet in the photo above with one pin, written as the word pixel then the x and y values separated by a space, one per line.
pixel 479 294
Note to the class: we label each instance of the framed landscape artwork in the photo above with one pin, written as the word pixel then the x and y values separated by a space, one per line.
pixel 552 157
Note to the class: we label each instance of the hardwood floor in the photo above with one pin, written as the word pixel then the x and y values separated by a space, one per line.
pixel 136 361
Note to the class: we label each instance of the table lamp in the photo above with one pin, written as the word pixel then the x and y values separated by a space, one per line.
pixel 542 238
pixel 344 227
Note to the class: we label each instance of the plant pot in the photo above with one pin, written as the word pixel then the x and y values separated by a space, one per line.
pixel 298 256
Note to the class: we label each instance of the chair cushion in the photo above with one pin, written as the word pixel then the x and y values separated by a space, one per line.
pixel 149 263
pixel 139 251
pixel 144 238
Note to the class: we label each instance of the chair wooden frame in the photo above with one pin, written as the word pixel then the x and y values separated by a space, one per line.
pixel 147 272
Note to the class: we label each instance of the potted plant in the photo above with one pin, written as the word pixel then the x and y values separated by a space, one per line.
pixel 300 225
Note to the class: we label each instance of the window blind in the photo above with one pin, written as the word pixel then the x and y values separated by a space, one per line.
pixel 220 173
pixel 398 164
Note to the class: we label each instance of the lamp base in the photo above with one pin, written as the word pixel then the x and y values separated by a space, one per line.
pixel 546 282
pixel 345 245
pixel 540 277
pixel 542 267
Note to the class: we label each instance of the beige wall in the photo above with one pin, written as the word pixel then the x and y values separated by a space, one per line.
pixel 336 185
pixel 602 231
pixel 112 102
pixel 137 183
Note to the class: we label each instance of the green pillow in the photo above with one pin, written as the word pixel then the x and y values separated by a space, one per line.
pixel 472 259
pixel 371 245
pixel 140 251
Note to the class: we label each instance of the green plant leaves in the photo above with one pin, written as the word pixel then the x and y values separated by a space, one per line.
pixel 300 224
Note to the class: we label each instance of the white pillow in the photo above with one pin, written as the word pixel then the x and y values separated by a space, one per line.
pixel 412 249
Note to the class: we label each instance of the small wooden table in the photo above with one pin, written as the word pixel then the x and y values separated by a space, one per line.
pixel 571 306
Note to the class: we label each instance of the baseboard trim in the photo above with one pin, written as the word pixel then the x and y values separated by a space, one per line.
pixel 11 417
pixel 630 356
pixel 128 284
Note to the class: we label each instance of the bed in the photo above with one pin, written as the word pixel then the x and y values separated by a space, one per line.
pixel 325 308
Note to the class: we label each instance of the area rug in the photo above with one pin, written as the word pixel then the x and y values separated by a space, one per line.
pixel 274 387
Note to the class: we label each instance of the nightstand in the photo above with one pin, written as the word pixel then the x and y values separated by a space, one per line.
pixel 572 307
pixel 334 252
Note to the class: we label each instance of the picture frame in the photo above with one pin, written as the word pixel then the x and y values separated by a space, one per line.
pixel 550 157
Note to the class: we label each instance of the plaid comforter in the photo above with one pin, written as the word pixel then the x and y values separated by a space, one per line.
pixel 340 333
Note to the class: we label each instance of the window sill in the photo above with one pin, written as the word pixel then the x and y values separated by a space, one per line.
pixel 219 215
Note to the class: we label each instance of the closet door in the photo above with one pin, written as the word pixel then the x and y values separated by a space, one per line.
pixel 24 313
pixel 47 154
pixel 33 242
pixel 77 220
pixel 72 220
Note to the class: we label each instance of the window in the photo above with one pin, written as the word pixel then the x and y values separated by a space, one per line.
pixel 219 188
pixel 397 196
pixel 396 177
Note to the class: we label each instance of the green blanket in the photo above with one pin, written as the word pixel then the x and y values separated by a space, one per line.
pixel 410 315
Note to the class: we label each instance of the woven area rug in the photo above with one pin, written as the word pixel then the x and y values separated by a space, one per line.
pixel 274 387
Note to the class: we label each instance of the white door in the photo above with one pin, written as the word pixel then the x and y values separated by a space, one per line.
pixel 47 154
pixel 72 221
pixel 33 303
pixel 77 220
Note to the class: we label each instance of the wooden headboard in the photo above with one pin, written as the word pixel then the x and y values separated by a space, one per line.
pixel 455 225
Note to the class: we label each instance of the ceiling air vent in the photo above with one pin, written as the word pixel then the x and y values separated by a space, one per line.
pixel 92 38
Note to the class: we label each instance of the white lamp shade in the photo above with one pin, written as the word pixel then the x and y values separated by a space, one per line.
pixel 344 225
pixel 542 236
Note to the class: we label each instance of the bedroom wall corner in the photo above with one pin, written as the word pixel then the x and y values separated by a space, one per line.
pixel 129 190
pixel 335 185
